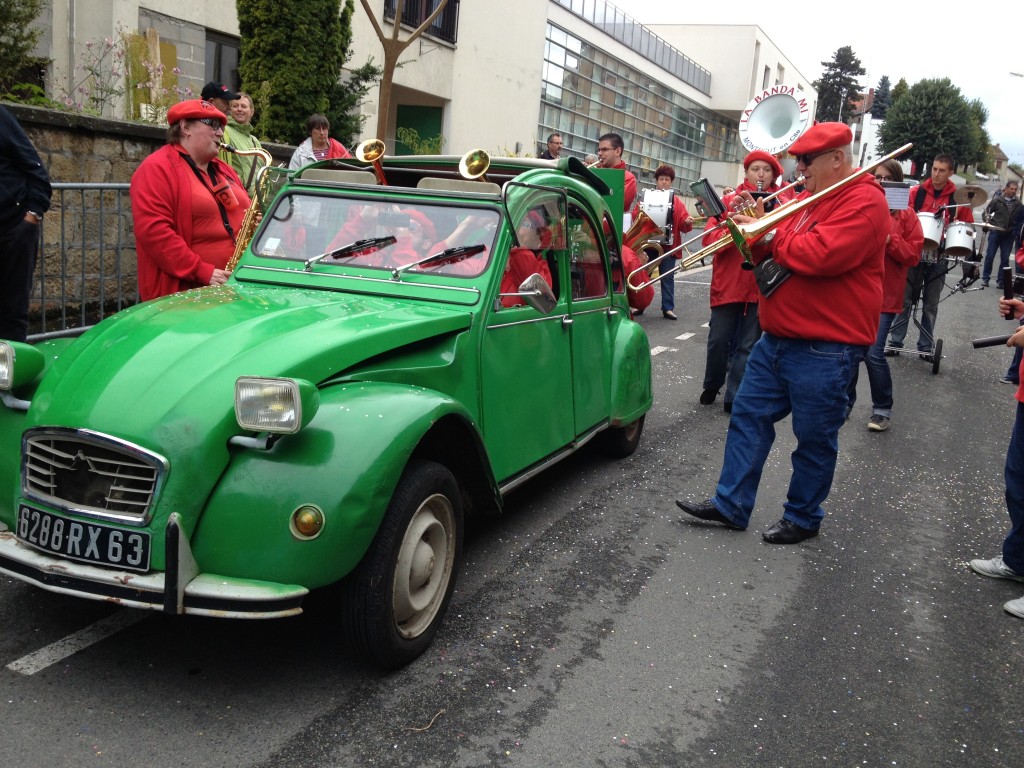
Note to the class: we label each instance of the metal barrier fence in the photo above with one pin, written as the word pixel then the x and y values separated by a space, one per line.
pixel 87 267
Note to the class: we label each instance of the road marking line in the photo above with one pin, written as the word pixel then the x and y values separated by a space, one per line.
pixel 707 324
pixel 72 644
pixel 685 336
pixel 659 350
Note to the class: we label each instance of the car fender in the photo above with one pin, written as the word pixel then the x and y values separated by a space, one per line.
pixel 631 394
pixel 346 463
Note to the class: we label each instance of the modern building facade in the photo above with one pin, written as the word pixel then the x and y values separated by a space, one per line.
pixel 494 74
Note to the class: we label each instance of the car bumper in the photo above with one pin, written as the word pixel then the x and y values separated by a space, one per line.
pixel 179 589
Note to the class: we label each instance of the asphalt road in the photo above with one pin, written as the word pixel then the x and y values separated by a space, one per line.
pixel 593 627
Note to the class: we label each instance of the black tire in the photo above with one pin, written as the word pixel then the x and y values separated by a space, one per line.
pixel 397 597
pixel 937 356
pixel 620 442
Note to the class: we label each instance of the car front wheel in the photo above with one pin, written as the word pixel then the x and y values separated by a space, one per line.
pixel 397 597
pixel 620 442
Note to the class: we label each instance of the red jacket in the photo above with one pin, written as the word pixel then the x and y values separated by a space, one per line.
pixel 730 283
pixel 161 195
pixel 902 251
pixel 522 263
pixel 933 202
pixel 835 250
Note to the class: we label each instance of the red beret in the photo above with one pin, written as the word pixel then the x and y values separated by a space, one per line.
pixel 194 109
pixel 763 156
pixel 821 137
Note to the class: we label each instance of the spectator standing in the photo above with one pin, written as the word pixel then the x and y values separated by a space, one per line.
pixel 219 95
pixel 24 197
pixel 238 134
pixel 1002 211
pixel 554 148
pixel 319 145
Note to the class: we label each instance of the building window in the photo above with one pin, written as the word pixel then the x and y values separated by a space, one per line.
pixel 415 12
pixel 222 54
pixel 764 80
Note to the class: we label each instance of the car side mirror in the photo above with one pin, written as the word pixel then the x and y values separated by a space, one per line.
pixel 536 292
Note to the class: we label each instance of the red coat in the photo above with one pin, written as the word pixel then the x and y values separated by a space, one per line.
pixel 161 195
pixel 730 283
pixel 835 250
pixel 901 252
pixel 933 201
pixel 522 263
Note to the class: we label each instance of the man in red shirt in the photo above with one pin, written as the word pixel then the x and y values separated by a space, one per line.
pixel 609 155
pixel 819 318
pixel 935 195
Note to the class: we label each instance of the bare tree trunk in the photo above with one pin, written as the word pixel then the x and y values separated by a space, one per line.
pixel 393 48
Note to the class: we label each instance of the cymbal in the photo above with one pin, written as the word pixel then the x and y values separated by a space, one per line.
pixel 971 194
pixel 986 225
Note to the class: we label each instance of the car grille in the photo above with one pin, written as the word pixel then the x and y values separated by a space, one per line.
pixel 91 474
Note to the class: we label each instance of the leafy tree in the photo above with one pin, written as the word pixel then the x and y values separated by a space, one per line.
pixel 17 39
pixel 899 91
pixel 979 152
pixel 883 98
pixel 838 86
pixel 937 119
pixel 292 54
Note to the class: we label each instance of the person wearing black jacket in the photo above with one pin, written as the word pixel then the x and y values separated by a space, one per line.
pixel 24 198
pixel 1003 211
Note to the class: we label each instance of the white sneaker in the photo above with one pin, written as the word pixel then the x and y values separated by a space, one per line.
pixel 1015 607
pixel 997 569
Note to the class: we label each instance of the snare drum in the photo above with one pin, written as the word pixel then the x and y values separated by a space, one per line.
pixel 657 203
pixel 960 239
pixel 932 228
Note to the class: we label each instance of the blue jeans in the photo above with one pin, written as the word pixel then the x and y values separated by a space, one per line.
pixel 731 335
pixel 928 279
pixel 1013 545
pixel 668 285
pixel 879 376
pixel 808 379
pixel 1002 244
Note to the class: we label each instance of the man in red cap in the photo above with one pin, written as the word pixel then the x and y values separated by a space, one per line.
pixel 734 327
pixel 928 278
pixel 822 296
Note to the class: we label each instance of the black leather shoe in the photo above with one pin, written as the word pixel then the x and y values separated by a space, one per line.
pixel 785 532
pixel 705 510
pixel 892 353
pixel 727 407
pixel 670 315
pixel 927 358
pixel 707 397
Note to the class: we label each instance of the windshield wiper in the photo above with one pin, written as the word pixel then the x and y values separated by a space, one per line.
pixel 447 256
pixel 368 245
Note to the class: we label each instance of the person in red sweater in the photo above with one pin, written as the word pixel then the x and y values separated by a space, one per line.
pixel 734 326
pixel 902 251
pixel 609 155
pixel 187 205
pixel 927 279
pixel 822 286
pixel 682 222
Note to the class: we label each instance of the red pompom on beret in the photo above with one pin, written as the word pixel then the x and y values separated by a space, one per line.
pixel 822 137
pixel 194 109
pixel 759 154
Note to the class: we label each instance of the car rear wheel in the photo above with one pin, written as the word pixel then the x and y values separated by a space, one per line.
pixel 620 442
pixel 397 597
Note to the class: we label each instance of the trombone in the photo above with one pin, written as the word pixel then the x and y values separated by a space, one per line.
pixel 744 235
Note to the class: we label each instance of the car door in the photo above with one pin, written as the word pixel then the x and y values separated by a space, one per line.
pixel 525 366
pixel 592 318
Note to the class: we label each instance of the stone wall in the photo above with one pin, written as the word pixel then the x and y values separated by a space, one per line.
pixel 87 264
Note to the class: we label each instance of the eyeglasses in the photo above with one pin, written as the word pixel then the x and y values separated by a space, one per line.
pixel 213 122
pixel 806 159
pixel 880 177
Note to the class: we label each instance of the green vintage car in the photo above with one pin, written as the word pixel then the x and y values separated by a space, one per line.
pixel 386 359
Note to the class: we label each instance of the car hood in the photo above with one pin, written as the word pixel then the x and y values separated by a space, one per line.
pixel 163 373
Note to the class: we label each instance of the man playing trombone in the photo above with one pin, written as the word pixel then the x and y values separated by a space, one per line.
pixel 822 286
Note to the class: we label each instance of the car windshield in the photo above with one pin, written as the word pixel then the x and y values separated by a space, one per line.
pixel 379 233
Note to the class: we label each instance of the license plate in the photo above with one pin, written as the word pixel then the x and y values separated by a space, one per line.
pixel 87 542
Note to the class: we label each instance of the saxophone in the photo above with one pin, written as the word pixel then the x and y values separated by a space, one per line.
pixel 255 210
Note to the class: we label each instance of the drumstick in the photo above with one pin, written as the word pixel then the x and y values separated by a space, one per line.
pixel 991 341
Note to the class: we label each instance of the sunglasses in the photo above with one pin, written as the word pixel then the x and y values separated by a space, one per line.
pixel 806 159
pixel 210 121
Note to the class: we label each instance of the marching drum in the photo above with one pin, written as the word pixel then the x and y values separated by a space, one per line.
pixel 960 239
pixel 932 228
pixel 657 203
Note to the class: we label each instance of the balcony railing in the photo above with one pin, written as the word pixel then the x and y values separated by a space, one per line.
pixel 415 12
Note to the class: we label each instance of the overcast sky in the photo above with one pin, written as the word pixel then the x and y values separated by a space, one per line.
pixel 976 50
